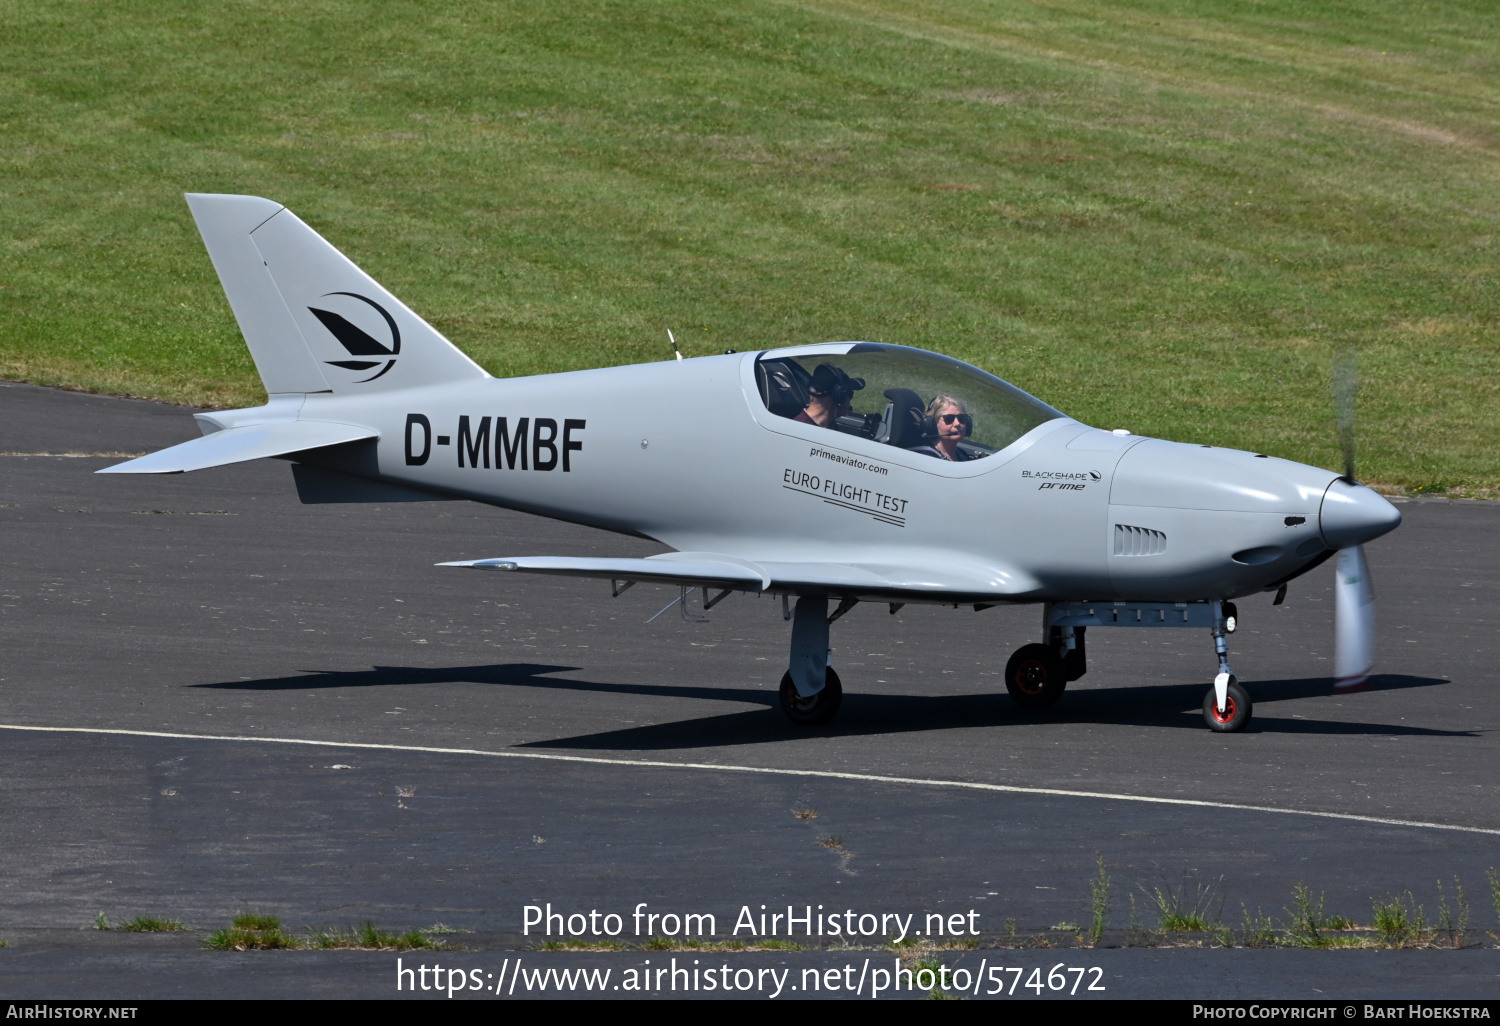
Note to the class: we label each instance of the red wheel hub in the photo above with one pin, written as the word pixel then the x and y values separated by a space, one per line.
pixel 1031 677
pixel 1228 714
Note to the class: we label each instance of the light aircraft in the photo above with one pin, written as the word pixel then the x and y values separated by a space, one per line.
pixel 839 473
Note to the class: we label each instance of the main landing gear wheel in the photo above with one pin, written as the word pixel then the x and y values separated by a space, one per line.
pixel 818 709
pixel 1236 712
pixel 1035 677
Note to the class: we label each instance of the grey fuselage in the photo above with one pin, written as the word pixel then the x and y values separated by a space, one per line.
pixel 684 452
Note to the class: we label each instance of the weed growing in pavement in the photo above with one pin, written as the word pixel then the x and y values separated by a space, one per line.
pixel 915 951
pixel 1190 906
pixel 1419 926
pixel 252 933
pixel 1099 889
pixel 252 921
pixel 1259 930
pixel 1307 923
pixel 1135 933
pixel 1394 919
pixel 146 924
pixel 579 944
pixel 805 813
pixel 1494 879
pixel 368 937
pixel 1453 922
pixel 4 943
pixel 100 923
pixel 777 944
pixel 933 967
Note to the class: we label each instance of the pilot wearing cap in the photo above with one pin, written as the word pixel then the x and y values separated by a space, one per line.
pixel 829 395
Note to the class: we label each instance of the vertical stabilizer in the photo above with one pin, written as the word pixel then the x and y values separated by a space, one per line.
pixel 313 320
pixel 281 354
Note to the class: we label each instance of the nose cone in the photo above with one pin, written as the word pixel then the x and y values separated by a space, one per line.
pixel 1352 515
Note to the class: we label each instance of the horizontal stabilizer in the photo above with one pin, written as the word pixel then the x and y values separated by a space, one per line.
pixel 696 568
pixel 238 444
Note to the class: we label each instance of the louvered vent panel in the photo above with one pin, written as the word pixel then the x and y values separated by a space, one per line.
pixel 1138 541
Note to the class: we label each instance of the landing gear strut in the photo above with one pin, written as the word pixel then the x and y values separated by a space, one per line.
pixel 811 691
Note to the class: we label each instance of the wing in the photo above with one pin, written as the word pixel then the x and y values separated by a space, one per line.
pixel 694 568
pixel 934 580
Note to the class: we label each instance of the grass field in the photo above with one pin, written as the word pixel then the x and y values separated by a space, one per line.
pixel 1163 215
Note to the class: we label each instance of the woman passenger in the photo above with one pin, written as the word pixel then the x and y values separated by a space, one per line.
pixel 951 423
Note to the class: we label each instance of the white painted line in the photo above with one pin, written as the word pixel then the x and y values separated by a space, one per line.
pixel 727 768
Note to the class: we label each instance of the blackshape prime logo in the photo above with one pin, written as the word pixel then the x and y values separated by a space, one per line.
pixel 358 341
pixel 1063 475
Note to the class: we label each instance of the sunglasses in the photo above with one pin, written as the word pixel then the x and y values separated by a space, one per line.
pixel 962 418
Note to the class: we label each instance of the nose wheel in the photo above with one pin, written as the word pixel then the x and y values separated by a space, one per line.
pixel 814 710
pixel 1236 711
pixel 1035 676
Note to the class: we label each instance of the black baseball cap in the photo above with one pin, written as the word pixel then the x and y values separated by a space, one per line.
pixel 828 380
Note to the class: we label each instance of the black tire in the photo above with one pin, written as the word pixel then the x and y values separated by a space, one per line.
pixel 1035 677
pixel 1236 713
pixel 814 711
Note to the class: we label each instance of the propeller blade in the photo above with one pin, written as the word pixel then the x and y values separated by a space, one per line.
pixel 1354 621
pixel 1343 405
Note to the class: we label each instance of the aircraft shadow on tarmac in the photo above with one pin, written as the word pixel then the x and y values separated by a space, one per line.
pixel 1177 706
pixel 1166 705
pixel 531 675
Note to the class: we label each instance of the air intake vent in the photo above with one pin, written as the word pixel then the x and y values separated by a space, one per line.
pixel 1138 541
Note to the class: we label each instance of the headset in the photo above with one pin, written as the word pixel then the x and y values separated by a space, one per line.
pixel 929 426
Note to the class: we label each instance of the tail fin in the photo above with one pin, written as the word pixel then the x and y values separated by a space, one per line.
pixel 314 321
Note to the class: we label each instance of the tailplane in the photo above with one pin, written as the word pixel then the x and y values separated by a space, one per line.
pixel 314 321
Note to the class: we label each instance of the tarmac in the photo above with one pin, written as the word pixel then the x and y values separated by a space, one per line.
pixel 215 700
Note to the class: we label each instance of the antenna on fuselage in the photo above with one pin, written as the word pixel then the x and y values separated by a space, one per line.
pixel 674 344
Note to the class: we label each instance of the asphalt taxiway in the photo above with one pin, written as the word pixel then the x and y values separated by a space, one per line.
pixel 481 742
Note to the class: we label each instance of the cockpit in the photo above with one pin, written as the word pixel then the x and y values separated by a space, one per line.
pixel 885 393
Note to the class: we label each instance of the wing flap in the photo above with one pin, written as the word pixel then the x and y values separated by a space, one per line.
pixel 239 444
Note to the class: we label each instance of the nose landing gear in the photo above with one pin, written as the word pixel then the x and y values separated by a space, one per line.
pixel 1037 674
pixel 1226 706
